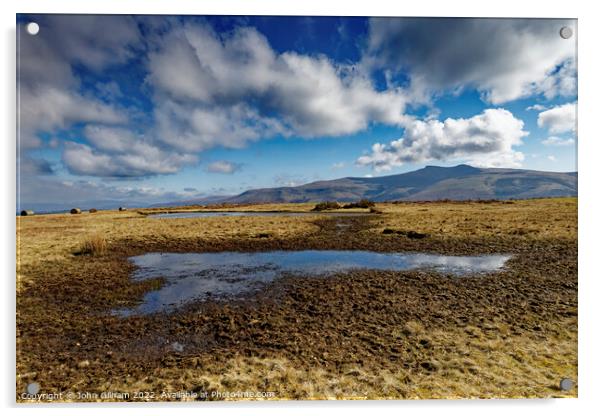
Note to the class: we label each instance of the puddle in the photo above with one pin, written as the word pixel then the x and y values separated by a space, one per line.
pixel 206 214
pixel 202 276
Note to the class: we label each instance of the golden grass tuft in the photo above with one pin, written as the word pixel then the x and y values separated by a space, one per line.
pixel 95 245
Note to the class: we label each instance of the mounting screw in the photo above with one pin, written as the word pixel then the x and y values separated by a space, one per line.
pixel 566 384
pixel 33 28
pixel 33 388
pixel 566 32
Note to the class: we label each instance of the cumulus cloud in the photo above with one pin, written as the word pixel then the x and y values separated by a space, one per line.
pixel 223 166
pixel 34 166
pixel 49 96
pixel 118 152
pixel 228 89
pixel 193 128
pixel 201 79
pixel 49 108
pixel 487 139
pixel 209 90
pixel 95 41
pixel 504 59
pixel 559 119
pixel 536 107
pixel 557 141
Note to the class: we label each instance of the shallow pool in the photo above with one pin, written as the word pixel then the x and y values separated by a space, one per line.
pixel 206 214
pixel 202 276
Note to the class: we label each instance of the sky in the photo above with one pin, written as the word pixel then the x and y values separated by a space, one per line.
pixel 117 110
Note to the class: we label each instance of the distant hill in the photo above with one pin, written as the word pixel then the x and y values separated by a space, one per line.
pixel 431 183
pixel 460 182
pixel 207 200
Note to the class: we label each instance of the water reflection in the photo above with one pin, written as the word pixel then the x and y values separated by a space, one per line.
pixel 199 276
pixel 207 214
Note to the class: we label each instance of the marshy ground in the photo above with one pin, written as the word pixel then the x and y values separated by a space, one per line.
pixel 360 334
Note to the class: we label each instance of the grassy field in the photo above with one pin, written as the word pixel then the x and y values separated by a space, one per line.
pixel 363 334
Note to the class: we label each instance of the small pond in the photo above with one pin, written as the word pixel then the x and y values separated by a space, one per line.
pixel 207 214
pixel 202 276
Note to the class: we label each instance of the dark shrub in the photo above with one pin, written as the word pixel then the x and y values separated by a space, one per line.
pixel 365 203
pixel 414 234
pixel 326 205
pixel 362 203
pixel 409 234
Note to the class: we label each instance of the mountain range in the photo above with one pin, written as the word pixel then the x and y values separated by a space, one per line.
pixel 460 182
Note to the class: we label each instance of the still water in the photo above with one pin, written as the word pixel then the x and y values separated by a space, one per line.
pixel 201 276
pixel 206 214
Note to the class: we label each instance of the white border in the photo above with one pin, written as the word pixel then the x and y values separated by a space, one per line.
pixel 590 69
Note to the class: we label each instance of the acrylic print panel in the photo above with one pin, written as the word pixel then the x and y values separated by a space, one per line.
pixel 290 208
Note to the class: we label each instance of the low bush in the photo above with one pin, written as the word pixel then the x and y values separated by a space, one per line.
pixel 362 203
pixel 326 205
pixel 409 234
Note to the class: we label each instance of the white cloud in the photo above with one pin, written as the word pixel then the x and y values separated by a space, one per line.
pixel 192 128
pixel 487 139
pixel 202 78
pixel 552 158
pixel 117 152
pixel 46 109
pixel 34 166
pixel 51 99
pixel 558 141
pixel 536 107
pixel 559 119
pixel 560 82
pixel 223 166
pixel 95 41
pixel 233 88
pixel 338 165
pixel 505 59
pixel 209 90
pixel 49 96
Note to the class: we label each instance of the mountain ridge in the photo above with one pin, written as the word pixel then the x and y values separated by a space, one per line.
pixel 461 182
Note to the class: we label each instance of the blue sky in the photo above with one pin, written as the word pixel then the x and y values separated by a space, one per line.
pixel 148 109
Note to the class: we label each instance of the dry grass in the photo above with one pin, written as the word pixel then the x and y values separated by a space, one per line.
pixel 469 363
pixel 95 245
pixel 514 336
pixel 532 219
pixel 50 238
